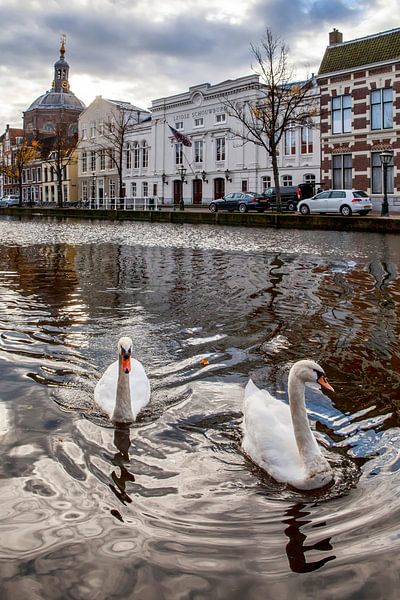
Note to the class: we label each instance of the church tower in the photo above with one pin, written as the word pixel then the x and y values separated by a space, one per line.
pixel 58 104
pixel 61 71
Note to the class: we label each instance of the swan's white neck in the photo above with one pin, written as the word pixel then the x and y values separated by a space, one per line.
pixel 306 442
pixel 123 408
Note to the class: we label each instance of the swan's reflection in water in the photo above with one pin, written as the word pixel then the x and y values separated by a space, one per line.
pixel 296 549
pixel 122 442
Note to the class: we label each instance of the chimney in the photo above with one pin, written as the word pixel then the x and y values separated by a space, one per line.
pixel 335 37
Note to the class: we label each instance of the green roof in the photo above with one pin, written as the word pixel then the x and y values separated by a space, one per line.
pixel 376 48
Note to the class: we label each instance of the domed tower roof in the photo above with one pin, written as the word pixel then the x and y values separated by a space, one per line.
pixel 59 98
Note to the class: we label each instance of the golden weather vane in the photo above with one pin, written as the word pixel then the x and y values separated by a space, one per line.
pixel 62 44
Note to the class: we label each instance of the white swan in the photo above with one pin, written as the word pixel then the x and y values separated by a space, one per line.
pixel 124 389
pixel 278 437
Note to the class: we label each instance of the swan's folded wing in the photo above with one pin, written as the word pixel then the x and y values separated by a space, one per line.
pixel 268 436
pixel 105 391
pixel 140 387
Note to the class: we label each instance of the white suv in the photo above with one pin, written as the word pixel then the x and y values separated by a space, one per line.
pixel 9 201
pixel 344 202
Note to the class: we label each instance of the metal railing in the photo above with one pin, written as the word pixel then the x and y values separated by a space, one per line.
pixel 151 203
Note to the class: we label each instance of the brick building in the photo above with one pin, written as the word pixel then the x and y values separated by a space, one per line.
pixel 9 142
pixel 360 112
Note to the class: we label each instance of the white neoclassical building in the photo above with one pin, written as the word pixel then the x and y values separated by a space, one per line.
pixel 158 165
pixel 217 162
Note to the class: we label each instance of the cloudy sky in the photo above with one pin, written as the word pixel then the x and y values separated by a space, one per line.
pixel 139 50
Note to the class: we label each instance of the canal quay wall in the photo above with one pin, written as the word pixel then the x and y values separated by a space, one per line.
pixel 373 224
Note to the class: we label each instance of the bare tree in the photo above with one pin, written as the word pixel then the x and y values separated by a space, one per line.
pixel 280 102
pixel 60 153
pixel 113 136
pixel 26 152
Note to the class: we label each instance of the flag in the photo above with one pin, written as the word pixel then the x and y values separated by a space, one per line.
pixel 183 139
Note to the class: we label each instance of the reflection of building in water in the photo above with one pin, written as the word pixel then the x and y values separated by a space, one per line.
pixel 48 272
pixel 331 311
pixel 296 548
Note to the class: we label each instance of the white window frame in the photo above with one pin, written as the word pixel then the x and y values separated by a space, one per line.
pixel 307 141
pixel 102 156
pixel 136 155
pixel 145 155
pixel 178 154
pixel 198 151
pixel 290 147
pixel 381 105
pixel 341 108
pixel 220 149
pixel 128 158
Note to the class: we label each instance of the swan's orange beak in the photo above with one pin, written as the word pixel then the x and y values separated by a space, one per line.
pixel 324 383
pixel 126 364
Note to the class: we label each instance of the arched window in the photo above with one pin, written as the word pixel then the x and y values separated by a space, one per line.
pixel 84 162
pixel 309 178
pixel 128 157
pixel 145 155
pixel 287 180
pixel 265 183
pixel 136 155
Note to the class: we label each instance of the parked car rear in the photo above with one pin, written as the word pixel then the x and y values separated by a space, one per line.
pixel 241 201
pixel 344 202
pixel 290 195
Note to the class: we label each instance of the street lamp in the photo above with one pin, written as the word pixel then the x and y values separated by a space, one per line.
pixel 204 176
pixel 228 175
pixel 182 173
pixel 386 159
pixel 164 178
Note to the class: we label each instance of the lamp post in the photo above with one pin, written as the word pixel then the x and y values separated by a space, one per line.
pixel 386 159
pixel 182 173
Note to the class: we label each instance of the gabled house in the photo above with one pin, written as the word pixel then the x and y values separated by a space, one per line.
pixel 360 112
pixel 9 141
pixel 103 137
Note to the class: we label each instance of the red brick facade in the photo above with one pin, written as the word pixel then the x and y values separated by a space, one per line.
pixel 360 140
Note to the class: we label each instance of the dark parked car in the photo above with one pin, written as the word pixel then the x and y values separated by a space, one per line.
pixel 290 195
pixel 241 201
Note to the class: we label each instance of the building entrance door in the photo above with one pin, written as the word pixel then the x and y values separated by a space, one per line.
pixel 219 188
pixel 197 191
pixel 177 191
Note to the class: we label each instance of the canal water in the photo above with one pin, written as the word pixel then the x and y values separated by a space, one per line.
pixel 171 509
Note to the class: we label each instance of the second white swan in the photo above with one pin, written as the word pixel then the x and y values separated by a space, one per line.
pixel 278 437
pixel 124 389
